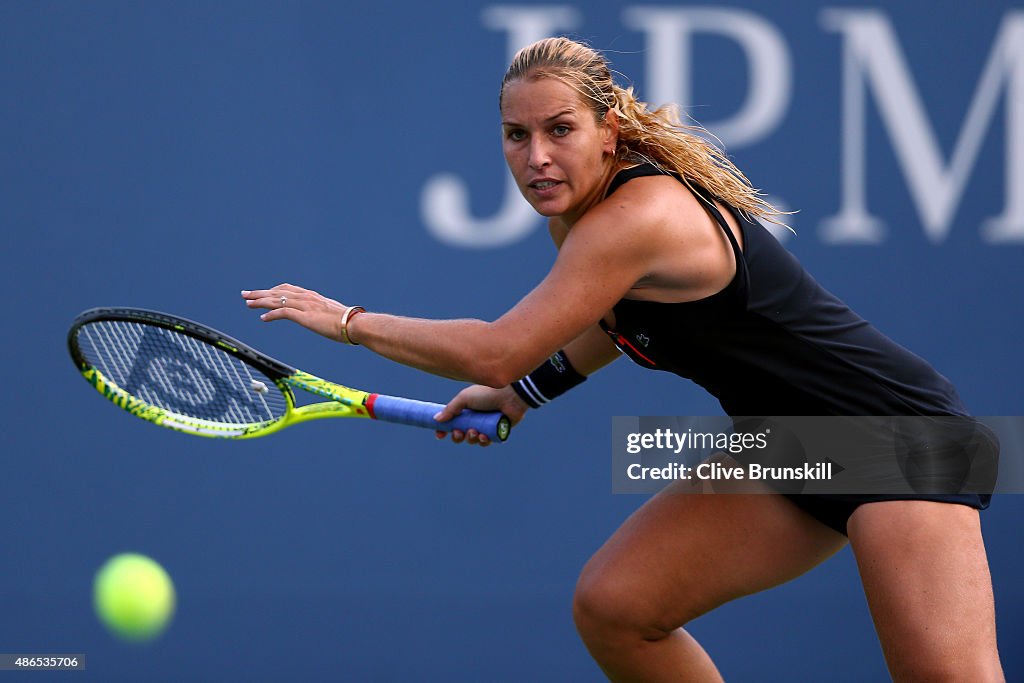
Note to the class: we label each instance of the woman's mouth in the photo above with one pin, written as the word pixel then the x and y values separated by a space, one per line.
pixel 542 185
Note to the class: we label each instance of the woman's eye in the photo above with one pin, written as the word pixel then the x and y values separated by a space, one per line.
pixel 560 130
pixel 516 135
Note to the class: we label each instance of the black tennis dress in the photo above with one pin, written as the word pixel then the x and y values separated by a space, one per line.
pixel 775 342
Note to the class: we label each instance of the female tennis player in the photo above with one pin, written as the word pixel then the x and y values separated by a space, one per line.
pixel 658 259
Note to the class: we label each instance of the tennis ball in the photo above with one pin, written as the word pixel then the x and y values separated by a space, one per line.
pixel 133 597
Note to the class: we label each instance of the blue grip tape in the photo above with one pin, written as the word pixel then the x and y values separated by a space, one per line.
pixel 409 411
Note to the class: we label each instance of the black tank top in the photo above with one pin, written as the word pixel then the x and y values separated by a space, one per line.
pixel 774 341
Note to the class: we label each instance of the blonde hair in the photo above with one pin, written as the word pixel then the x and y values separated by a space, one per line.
pixel 658 136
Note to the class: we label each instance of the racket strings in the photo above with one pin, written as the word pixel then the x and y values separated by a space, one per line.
pixel 179 373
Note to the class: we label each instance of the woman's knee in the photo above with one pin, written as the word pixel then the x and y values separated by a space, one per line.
pixel 609 606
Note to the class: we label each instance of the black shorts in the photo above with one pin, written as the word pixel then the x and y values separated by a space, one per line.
pixel 946 459
pixel 835 510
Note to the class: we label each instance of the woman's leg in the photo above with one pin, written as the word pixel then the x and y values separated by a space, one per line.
pixel 927 583
pixel 677 557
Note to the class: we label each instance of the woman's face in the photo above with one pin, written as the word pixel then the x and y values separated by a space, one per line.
pixel 559 155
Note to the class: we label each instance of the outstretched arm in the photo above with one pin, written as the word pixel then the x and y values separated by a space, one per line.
pixel 604 255
pixel 632 237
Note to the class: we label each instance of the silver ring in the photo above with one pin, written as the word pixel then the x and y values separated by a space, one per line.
pixel 284 300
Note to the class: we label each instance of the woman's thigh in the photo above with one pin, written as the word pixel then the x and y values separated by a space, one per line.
pixel 927 582
pixel 683 554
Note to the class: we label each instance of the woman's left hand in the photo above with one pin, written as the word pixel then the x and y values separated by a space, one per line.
pixel 303 306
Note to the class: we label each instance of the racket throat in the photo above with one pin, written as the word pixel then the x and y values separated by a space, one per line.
pixel 357 403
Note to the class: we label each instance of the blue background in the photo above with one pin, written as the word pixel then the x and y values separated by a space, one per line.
pixel 169 154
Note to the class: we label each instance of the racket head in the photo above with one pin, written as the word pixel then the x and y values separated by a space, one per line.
pixel 180 374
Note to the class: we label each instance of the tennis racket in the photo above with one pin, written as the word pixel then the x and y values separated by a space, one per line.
pixel 179 374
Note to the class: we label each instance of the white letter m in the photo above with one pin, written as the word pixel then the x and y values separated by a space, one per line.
pixel 872 56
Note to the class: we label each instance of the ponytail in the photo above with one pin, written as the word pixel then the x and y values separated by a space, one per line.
pixel 659 137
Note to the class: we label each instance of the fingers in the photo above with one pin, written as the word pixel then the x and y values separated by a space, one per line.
pixel 278 307
pixel 282 314
pixel 273 298
pixel 472 437
pixel 282 295
pixel 281 304
pixel 277 289
pixel 470 397
pixel 454 407
pixel 303 306
pixel 281 289
pixel 270 302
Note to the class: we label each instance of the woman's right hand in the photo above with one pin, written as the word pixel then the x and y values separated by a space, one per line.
pixel 483 399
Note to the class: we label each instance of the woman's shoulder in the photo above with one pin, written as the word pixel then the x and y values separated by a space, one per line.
pixel 632 170
pixel 648 193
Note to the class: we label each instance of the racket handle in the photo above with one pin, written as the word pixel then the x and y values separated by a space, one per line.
pixel 409 411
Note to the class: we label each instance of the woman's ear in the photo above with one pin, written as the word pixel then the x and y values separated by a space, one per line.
pixel 611 131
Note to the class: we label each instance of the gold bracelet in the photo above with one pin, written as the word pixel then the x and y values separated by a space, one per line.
pixel 346 317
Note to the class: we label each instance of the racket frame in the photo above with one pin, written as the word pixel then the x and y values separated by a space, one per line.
pixel 341 401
